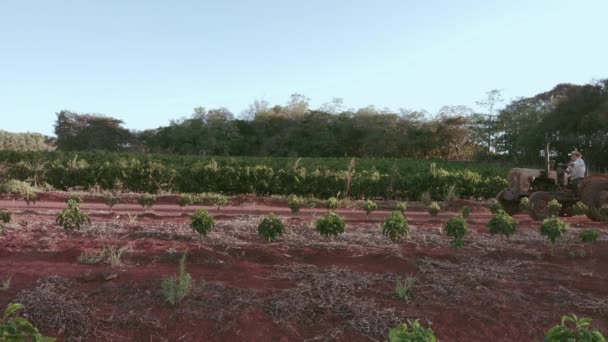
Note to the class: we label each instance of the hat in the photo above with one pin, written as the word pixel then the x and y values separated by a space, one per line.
pixel 575 153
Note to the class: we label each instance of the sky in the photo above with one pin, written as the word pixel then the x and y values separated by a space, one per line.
pixel 147 62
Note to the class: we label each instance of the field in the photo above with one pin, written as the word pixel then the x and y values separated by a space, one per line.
pixel 303 287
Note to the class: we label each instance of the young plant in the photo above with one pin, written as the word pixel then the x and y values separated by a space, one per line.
pixel 502 223
pixel 30 197
pixel 426 198
pixel 111 200
pixel 554 207
pixel 330 225
pixel 175 289
pixel 271 228
pixel 220 201
pixel 494 206
pixel 185 200
pixel 74 198
pixel 332 203
pixel 465 212
pixel 589 235
pixel 456 227
pixel 402 207
pixel 294 203
pixel 5 216
pixel 553 228
pixel 404 288
pixel 411 331
pixel 574 329
pixel 19 328
pixel 434 209
pixel 369 206
pixel 71 217
pixel 147 201
pixel 524 204
pixel 396 226
pixel 202 222
pixel 5 284
pixel 579 208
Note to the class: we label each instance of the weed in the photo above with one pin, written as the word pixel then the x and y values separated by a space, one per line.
pixel 185 200
pixel 589 235
pixel 465 212
pixel 176 288
pixel 5 216
pixel 494 206
pixel 404 288
pixel 411 331
pixel 425 198
pixel 5 284
pixel 109 255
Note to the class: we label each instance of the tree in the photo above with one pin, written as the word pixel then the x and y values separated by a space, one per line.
pixel 91 132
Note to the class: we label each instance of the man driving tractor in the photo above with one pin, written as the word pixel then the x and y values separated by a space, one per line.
pixel 576 170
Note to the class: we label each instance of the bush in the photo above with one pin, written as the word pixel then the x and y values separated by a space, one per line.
pixel 396 226
pixel 221 201
pixel 330 225
pixel 202 222
pixel 73 197
pixel 411 332
pixel 456 227
pixel 578 332
pixel 554 207
pixel 332 203
pixel 524 204
pixel 502 223
pixel 553 228
pixel 370 206
pixel 71 217
pixel 5 216
pixel 175 289
pixel 494 206
pixel 271 228
pixel 434 209
pixel 19 328
pixel 111 200
pixel 604 211
pixel 294 203
pixel 425 198
pixel 589 235
pixel 185 200
pixel 402 207
pixel 579 208
pixel 465 212
pixel 147 201
pixel 14 186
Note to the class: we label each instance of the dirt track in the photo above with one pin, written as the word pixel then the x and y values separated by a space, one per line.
pixel 302 287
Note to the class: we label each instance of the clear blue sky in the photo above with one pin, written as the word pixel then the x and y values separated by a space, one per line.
pixel 146 62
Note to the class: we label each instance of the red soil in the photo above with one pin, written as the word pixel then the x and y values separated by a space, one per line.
pixel 235 274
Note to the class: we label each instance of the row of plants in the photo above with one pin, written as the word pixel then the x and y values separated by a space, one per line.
pixel 405 180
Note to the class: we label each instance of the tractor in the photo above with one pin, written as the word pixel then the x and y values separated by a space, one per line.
pixel 542 186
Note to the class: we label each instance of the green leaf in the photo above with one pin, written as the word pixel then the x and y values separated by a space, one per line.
pixel 12 308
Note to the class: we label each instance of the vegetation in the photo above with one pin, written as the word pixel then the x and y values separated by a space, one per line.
pixel 589 235
pixel 396 226
pixel 271 228
pixel 465 212
pixel 554 207
pixel 5 216
pixel 411 331
pixel 185 200
pixel 369 206
pixel 502 223
pixel 524 204
pixel 332 203
pixel 71 217
pixel 147 201
pixel 402 207
pixel 111 200
pixel 553 228
pixel 434 209
pixel 572 328
pixel 494 206
pixel 330 225
pixel 18 328
pixel 202 222
pixel 579 208
pixel 24 142
pixel 604 211
pixel 176 288
pixel 294 203
pixel 221 201
pixel 456 227
pixel 404 288
pixel 109 255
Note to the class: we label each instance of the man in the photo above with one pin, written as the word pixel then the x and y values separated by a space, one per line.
pixel 576 169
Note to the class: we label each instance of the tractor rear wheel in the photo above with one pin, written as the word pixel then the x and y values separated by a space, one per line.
pixel 595 195
pixel 509 206
pixel 538 205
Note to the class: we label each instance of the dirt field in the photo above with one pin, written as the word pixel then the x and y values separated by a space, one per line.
pixel 300 288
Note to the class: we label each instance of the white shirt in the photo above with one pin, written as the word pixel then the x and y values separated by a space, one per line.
pixel 578 169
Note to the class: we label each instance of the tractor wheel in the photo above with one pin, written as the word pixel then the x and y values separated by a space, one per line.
pixel 510 207
pixel 538 205
pixel 595 195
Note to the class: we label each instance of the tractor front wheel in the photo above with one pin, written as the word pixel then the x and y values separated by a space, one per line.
pixel 538 205
pixel 511 207
pixel 595 195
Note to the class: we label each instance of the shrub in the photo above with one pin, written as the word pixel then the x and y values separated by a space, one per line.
pixel 5 216
pixel 220 201
pixel 402 207
pixel 185 200
pixel 411 331
pixel 147 201
pixel 404 287
pixel 434 209
pixel 554 207
pixel 604 211
pixel 369 206
pixel 456 227
pixel 14 186
pixel 465 212
pixel 425 198
pixel 202 222
pixel 19 328
pixel 579 208
pixel 71 217
pixel 330 225
pixel 111 200
pixel 332 203
pixel 589 235
pixel 30 197
pixel 553 228
pixel 494 206
pixel 396 226
pixel 502 223
pixel 524 204
pixel 579 331
pixel 175 289
pixel 294 203
pixel 271 228
pixel 73 197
